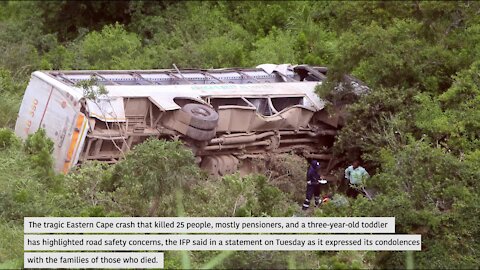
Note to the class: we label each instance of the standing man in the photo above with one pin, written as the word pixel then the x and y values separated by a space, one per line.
pixel 355 175
pixel 313 184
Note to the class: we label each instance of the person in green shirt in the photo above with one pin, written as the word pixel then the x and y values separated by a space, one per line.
pixel 355 175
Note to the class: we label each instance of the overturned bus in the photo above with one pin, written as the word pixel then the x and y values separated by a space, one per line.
pixel 226 116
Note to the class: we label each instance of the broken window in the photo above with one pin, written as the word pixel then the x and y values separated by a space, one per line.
pixel 217 102
pixel 262 105
pixel 281 103
pixel 181 101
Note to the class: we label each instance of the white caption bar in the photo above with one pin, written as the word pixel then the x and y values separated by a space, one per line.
pixel 132 242
pixel 92 260
pixel 209 225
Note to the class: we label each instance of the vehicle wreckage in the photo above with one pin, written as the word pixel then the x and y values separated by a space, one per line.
pixel 226 116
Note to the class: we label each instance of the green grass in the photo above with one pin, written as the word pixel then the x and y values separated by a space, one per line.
pixel 11 245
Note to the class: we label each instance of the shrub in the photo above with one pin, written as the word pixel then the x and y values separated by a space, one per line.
pixel 155 169
pixel 8 139
pixel 39 149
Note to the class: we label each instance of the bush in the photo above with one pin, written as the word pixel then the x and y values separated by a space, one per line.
pixel 154 169
pixel 28 188
pixel 430 192
pixel 111 48
pixel 8 139
pixel 39 149
pixel 287 172
pixel 238 196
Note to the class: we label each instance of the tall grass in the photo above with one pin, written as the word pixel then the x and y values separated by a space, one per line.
pixel 11 245
pixel 9 105
pixel 186 257
pixel 409 262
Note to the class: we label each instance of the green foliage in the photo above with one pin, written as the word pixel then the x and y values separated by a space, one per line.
pixel 29 185
pixel 11 245
pixel 208 38
pixel 8 84
pixel 430 192
pixel 218 51
pixel 91 89
pixel 238 196
pixel 154 169
pixel 377 120
pixel 89 187
pixel 344 260
pixel 160 166
pixel 8 139
pixel 452 118
pixel 59 57
pixel 9 105
pixel 393 29
pixel 10 91
pixel 111 48
pixel 256 259
pixel 260 21
pixel 19 38
pixel 85 15
pixel 276 47
pixel 39 149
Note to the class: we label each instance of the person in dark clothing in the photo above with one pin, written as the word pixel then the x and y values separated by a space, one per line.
pixel 313 184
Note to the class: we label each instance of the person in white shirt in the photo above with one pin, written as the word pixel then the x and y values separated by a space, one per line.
pixel 355 175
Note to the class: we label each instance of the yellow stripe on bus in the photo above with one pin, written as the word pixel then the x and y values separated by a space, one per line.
pixel 84 127
pixel 73 142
